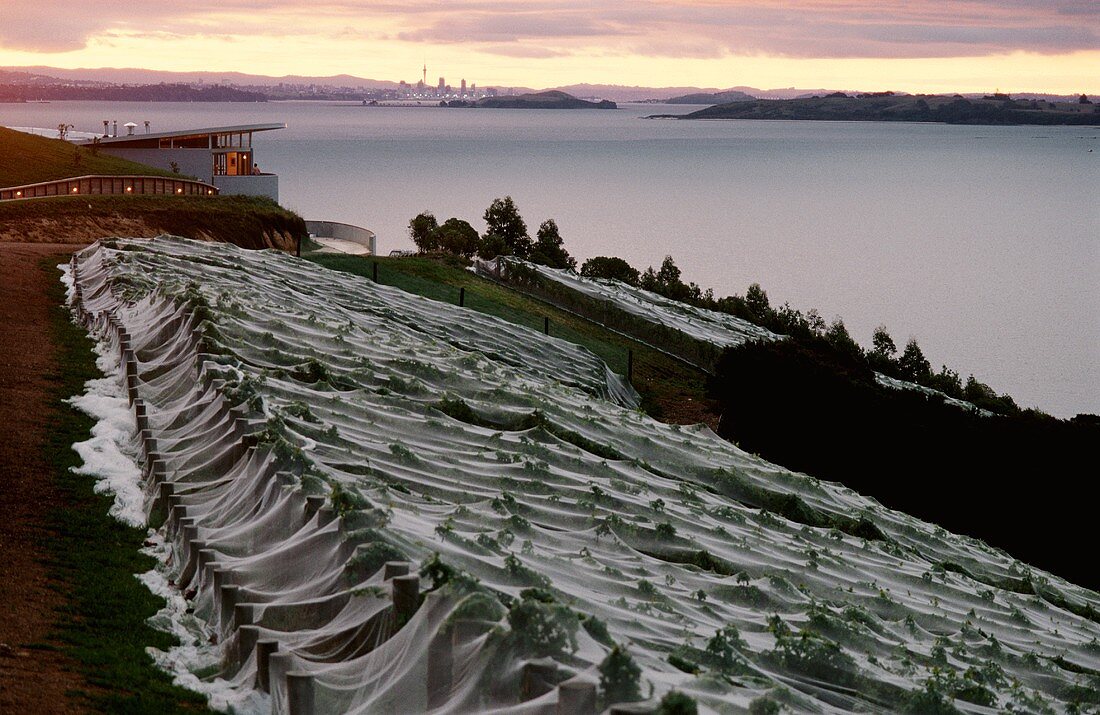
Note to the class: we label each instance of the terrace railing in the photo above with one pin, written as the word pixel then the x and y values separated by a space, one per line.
pixel 111 185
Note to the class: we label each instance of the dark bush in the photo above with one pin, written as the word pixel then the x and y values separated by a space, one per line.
pixel 610 267
pixel 1023 482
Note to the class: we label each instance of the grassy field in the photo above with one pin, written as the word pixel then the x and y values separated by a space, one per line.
pixel 670 389
pixel 102 625
pixel 29 159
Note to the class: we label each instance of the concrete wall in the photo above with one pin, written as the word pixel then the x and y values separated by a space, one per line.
pixel 254 185
pixel 192 162
pixel 343 231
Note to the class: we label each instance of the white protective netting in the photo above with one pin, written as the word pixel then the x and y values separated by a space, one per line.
pixel 311 438
pixel 709 326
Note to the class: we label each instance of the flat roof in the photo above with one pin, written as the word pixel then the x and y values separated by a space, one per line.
pixel 206 131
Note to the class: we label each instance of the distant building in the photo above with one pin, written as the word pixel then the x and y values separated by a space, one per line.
pixel 442 85
pixel 222 156
pixel 464 88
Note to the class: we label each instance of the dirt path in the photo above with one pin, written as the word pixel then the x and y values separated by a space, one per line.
pixel 31 679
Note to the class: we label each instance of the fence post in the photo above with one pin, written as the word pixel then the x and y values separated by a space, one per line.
pixel 461 296
pixel 374 271
pixel 546 325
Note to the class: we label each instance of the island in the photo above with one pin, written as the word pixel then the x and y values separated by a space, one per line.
pixel 536 100
pixel 712 98
pixel 891 107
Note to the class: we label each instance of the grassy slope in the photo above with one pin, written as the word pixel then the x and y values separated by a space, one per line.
pixel 669 389
pixel 252 222
pixel 102 625
pixel 234 219
pixel 29 159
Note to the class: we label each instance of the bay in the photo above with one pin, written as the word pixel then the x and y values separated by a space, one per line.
pixel 983 243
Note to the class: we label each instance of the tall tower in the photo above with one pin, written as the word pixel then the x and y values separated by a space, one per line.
pixel 425 80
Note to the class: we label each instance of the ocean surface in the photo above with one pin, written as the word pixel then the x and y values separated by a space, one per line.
pixel 981 242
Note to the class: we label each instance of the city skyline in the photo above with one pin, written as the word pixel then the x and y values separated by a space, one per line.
pixel 925 46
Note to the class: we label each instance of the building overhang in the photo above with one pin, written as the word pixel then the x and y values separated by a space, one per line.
pixel 208 133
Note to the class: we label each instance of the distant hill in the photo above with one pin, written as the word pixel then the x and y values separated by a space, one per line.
pixel 26 91
pixel 536 100
pixel 133 75
pixel 715 98
pixel 886 106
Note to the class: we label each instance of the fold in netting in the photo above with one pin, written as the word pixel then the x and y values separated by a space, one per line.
pixel 310 438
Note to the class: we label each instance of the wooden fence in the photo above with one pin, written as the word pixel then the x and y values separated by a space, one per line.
pixel 112 185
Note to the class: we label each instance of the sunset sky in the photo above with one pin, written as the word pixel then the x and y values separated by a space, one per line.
pixel 908 45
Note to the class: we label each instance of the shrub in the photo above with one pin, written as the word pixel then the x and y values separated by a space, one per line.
pixel 619 677
pixel 763 706
pixel 676 703
pixel 542 628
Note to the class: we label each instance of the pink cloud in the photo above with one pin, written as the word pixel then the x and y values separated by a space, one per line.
pixel 548 28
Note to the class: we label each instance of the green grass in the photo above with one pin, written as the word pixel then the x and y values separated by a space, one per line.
pixel 441 281
pixel 94 557
pixel 29 159
pixel 669 389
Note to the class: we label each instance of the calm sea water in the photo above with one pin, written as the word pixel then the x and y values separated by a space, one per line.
pixel 981 242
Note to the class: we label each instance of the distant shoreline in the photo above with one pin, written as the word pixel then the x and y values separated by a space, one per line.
pixel 995 110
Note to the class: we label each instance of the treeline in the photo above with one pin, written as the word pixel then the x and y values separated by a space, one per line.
pixel 1024 482
pixel 137 93
pixel 505 235
pixel 809 327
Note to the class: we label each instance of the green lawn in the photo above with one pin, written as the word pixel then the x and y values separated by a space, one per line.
pixel 29 159
pixel 102 625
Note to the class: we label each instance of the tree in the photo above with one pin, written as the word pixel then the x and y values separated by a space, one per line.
pixel 947 381
pixel 913 365
pixel 882 344
pixel 610 267
pixel 757 301
pixel 837 335
pixel 1084 99
pixel 458 237
pixel 666 281
pixel 491 246
pixel 669 275
pixel 548 249
pixel 503 221
pixel 422 230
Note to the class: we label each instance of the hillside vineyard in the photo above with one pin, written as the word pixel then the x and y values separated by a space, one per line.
pixel 309 440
